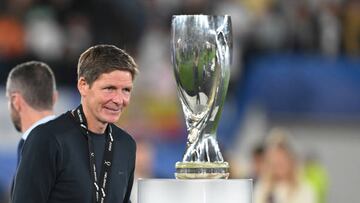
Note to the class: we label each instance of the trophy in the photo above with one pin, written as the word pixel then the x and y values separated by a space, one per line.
pixel 201 48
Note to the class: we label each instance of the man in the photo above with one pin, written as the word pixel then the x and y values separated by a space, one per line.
pixel 31 91
pixel 81 156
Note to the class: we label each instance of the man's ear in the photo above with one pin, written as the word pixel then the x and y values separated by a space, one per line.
pixel 82 86
pixel 16 100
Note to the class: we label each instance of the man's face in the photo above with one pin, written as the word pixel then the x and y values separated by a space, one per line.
pixel 108 96
pixel 14 114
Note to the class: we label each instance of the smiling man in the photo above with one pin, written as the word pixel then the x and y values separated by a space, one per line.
pixel 82 156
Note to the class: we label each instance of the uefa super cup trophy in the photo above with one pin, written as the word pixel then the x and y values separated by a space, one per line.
pixel 201 49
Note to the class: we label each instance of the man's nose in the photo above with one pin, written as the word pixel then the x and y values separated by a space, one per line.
pixel 121 98
pixel 117 98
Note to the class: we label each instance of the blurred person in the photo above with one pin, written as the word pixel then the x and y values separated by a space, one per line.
pixel 280 181
pixel 109 18
pixel 303 28
pixel 271 30
pixel 78 35
pixel 81 156
pixel 12 37
pixel 44 35
pixel 330 29
pixel 31 92
pixel 258 7
pixel 351 27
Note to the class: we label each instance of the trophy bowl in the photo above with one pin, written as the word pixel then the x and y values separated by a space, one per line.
pixel 201 51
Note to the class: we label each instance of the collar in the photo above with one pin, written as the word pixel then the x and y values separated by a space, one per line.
pixel 39 122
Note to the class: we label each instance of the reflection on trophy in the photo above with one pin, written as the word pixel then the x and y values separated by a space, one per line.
pixel 201 56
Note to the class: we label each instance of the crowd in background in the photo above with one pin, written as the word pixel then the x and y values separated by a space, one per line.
pixel 57 31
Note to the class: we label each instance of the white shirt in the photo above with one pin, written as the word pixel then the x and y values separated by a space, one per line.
pixel 39 122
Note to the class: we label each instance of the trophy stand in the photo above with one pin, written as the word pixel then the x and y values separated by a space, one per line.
pixel 201 48
pixel 202 170
pixel 214 167
pixel 194 191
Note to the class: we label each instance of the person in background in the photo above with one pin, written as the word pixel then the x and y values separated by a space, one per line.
pixel 280 181
pixel 81 156
pixel 31 93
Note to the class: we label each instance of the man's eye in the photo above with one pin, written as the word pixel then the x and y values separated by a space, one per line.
pixel 127 89
pixel 109 88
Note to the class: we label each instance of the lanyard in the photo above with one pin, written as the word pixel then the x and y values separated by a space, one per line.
pixel 100 192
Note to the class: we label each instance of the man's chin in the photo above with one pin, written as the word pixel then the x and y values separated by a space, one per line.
pixel 17 128
pixel 112 119
pixel 17 125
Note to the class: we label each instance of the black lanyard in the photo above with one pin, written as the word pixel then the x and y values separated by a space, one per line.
pixel 100 187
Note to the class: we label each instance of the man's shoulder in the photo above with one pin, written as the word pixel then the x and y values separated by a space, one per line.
pixel 60 120
pixel 45 134
pixel 54 126
pixel 122 135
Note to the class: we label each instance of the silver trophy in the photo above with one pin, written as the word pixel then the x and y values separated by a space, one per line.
pixel 201 49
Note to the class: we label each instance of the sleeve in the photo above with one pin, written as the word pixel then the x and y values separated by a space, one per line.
pixel 131 177
pixel 37 170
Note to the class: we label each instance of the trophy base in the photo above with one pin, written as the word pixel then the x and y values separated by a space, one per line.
pixel 202 170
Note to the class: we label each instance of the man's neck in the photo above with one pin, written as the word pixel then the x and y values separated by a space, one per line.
pixel 93 124
pixel 32 116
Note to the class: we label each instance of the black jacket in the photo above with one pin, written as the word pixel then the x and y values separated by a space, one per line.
pixel 55 166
